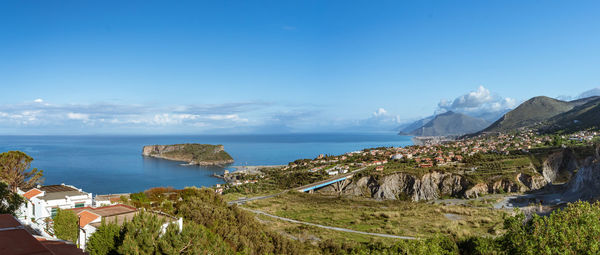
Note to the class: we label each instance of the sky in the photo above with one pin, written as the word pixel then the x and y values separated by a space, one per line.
pixel 162 67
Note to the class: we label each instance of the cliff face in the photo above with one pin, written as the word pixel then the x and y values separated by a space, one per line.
pixel 559 166
pixel 576 179
pixel 193 154
pixel 430 186
pixel 585 183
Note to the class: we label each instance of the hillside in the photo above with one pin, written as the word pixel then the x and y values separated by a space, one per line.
pixel 532 111
pixel 450 123
pixel 193 153
pixel 584 116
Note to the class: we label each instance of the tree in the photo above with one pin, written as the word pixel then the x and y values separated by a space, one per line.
pixel 193 239
pixel 141 234
pixel 9 201
pixel 13 170
pixel 66 225
pixel 573 230
pixel 105 240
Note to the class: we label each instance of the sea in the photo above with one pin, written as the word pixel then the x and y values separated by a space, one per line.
pixel 114 164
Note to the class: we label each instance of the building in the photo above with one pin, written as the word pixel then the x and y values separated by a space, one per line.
pixel 15 240
pixel 43 202
pixel 90 219
pixel 105 200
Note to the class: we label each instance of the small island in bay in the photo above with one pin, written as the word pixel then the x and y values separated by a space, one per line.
pixel 192 153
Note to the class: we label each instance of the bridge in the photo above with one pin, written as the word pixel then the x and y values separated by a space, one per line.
pixel 305 188
pixel 320 184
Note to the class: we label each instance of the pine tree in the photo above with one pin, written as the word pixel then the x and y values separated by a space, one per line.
pixel 9 201
pixel 141 234
pixel 13 170
pixel 105 240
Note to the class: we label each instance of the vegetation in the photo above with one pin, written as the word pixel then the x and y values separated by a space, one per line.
pixel 9 201
pixel 238 228
pixel 14 171
pixel 105 240
pixel 143 235
pixel 573 230
pixel 532 111
pixel 66 225
pixel 386 217
pixel 200 152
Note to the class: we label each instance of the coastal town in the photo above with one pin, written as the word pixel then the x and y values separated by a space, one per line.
pixel 44 202
pixel 441 153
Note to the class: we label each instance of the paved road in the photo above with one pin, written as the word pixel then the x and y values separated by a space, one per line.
pixel 328 227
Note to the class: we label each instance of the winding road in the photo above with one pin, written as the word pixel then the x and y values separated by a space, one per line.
pixel 328 227
pixel 244 200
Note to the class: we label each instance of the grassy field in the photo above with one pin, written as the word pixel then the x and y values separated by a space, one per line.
pixel 388 217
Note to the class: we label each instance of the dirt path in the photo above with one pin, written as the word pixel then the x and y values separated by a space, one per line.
pixel 328 227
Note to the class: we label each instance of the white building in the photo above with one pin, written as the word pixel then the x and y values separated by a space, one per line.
pixel 44 201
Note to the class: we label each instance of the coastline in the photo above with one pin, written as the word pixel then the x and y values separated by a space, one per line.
pixel 254 168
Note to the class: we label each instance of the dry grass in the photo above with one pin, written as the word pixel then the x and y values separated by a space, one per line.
pixel 389 217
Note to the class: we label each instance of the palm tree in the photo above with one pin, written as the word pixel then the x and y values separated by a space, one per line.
pixel 14 167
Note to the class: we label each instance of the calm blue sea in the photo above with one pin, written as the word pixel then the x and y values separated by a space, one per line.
pixel 114 164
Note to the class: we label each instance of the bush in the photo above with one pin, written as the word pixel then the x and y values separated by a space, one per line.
pixel 66 225
pixel 105 240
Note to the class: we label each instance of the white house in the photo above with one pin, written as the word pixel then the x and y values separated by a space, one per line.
pixel 44 201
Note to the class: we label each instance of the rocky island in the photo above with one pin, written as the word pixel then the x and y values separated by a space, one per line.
pixel 192 153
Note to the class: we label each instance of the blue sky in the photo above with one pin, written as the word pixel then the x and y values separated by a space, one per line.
pixel 70 67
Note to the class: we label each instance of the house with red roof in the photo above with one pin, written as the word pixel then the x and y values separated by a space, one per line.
pixel 43 202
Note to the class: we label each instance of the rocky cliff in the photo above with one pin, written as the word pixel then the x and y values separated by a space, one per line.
pixel 193 154
pixel 558 167
pixel 430 186
pixel 585 184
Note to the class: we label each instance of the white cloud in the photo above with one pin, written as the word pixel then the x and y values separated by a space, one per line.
pixel 78 116
pixel 380 112
pixel 479 103
pixel 39 100
pixel 590 93
pixel 232 117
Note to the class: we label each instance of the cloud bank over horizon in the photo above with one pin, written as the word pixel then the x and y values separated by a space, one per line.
pixel 41 117
pixel 479 103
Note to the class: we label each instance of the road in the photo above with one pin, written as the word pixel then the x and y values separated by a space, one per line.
pixel 328 227
pixel 244 200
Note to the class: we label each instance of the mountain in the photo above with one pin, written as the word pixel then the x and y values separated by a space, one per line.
pixel 450 123
pixel 406 129
pixel 586 114
pixel 530 112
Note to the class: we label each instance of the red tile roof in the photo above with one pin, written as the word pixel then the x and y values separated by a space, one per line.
pixel 32 193
pixel 85 217
pixel 107 210
pixel 15 240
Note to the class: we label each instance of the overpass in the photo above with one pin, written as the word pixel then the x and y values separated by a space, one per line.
pixel 305 188
pixel 321 184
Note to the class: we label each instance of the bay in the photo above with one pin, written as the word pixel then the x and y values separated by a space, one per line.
pixel 114 164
